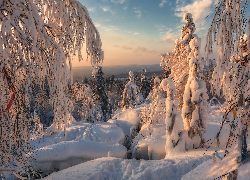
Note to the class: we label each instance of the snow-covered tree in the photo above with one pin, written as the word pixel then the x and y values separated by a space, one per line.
pixel 38 39
pixel 177 62
pixel 173 125
pixel 145 85
pixel 231 73
pixel 131 94
pixel 194 110
pixel 99 93
pixel 84 107
pixel 158 106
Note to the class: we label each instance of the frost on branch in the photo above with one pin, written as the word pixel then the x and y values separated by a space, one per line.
pixel 194 110
pixel 177 61
pixel 131 94
pixel 232 71
pixel 38 39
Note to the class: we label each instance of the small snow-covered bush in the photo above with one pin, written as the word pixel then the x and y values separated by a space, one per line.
pixel 131 94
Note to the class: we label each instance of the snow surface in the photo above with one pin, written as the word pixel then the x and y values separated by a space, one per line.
pixel 130 169
pixel 83 142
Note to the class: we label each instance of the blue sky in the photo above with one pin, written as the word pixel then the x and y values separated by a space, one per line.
pixel 137 31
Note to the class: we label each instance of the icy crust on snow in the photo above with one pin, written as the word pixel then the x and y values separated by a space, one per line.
pixel 124 169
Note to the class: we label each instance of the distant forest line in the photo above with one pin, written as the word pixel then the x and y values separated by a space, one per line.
pixel 118 71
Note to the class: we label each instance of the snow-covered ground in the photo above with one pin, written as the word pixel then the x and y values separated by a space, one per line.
pixel 123 169
pixel 83 142
pixel 95 151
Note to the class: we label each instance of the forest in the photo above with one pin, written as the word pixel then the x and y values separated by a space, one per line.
pixel 189 122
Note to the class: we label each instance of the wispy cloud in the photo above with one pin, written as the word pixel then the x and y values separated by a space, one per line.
pixel 199 9
pixel 98 25
pixel 140 49
pixel 136 33
pixel 108 9
pixel 162 3
pixel 118 1
pixel 138 12
pixel 91 9
pixel 125 8
pixel 110 28
pixel 169 37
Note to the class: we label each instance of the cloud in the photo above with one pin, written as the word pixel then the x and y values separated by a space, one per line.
pixel 138 12
pixel 127 47
pixel 136 33
pixel 140 50
pixel 125 8
pixel 162 3
pixel 91 9
pixel 169 37
pixel 98 25
pixel 199 9
pixel 107 9
pixel 118 1
pixel 124 47
pixel 110 28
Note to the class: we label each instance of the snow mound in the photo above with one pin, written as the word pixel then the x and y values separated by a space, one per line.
pixel 83 142
pixel 124 169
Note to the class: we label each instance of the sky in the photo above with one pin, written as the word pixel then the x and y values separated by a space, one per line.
pixel 137 31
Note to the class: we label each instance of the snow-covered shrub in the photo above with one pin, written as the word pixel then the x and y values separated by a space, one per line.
pixel 177 61
pixel 194 110
pixel 131 94
pixel 174 125
pixel 38 39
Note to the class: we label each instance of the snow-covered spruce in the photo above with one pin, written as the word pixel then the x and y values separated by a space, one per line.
pixel 38 39
pixel 177 61
pixel 145 85
pixel 174 125
pixel 99 93
pixel 194 110
pixel 131 94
